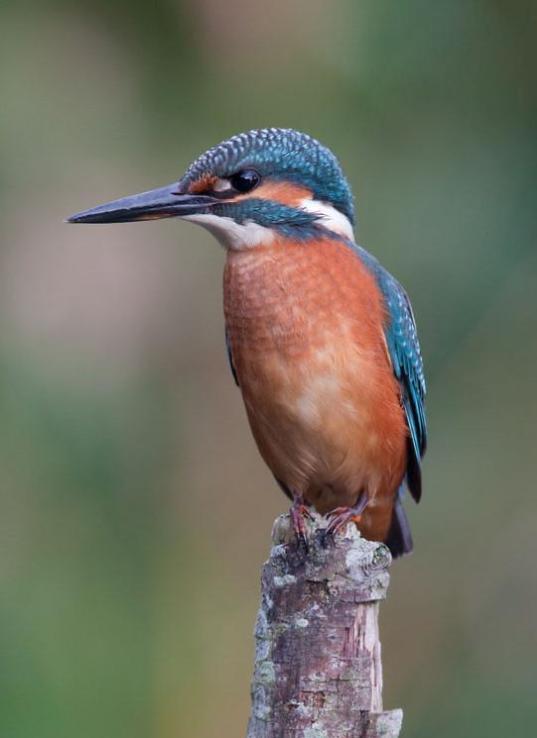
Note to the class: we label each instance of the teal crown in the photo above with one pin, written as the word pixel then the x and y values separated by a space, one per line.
pixel 279 154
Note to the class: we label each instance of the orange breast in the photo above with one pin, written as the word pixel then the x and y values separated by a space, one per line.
pixel 305 325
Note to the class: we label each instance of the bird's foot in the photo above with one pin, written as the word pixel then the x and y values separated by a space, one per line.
pixel 341 516
pixel 299 512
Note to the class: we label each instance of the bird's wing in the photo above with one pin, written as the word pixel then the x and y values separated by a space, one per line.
pixel 404 350
pixel 230 359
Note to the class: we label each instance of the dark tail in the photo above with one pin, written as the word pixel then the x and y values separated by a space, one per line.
pixel 399 538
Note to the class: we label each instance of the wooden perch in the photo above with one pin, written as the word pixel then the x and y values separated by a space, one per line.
pixel 318 669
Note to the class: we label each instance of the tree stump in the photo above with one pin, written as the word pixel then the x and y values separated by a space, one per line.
pixel 318 669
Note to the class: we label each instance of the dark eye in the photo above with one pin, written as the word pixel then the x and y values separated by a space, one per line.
pixel 245 180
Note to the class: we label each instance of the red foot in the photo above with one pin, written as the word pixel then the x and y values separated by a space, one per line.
pixel 341 516
pixel 299 512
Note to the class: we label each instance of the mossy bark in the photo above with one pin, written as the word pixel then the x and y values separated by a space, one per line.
pixel 318 669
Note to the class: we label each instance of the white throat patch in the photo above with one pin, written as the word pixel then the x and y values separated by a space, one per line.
pixel 231 234
pixel 329 217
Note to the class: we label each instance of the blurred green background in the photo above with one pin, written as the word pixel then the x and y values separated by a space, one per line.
pixel 135 511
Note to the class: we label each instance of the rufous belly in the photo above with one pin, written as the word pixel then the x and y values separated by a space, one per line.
pixel 305 326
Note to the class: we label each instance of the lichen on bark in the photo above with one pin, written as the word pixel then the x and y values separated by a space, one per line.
pixel 318 669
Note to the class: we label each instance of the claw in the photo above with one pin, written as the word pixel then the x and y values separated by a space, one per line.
pixel 299 512
pixel 341 516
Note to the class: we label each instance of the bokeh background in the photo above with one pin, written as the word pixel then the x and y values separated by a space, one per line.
pixel 135 511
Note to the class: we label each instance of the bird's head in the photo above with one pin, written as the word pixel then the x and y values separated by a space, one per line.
pixel 248 190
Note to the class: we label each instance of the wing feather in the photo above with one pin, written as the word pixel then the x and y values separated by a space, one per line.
pixel 405 354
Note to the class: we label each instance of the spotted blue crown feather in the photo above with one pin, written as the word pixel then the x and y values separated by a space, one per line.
pixel 280 154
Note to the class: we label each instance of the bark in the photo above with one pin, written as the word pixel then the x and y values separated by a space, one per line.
pixel 318 669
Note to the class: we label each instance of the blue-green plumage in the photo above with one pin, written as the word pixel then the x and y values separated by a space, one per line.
pixel 288 221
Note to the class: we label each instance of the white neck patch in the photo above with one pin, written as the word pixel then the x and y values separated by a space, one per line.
pixel 231 234
pixel 330 218
pixel 248 235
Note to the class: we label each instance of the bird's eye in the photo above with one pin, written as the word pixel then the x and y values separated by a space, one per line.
pixel 245 180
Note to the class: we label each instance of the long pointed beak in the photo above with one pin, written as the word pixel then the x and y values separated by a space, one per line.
pixel 164 202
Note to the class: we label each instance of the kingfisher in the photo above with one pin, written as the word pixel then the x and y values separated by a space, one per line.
pixel 321 338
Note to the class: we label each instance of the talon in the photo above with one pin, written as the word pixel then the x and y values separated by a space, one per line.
pixel 341 516
pixel 299 511
pixel 338 511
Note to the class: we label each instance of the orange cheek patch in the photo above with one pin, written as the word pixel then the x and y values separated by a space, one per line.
pixel 203 184
pixel 285 193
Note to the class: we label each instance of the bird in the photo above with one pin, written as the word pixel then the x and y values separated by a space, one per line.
pixel 321 338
